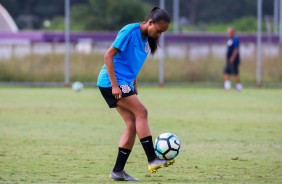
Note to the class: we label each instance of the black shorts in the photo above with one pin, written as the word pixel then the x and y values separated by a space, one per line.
pixel 232 69
pixel 110 98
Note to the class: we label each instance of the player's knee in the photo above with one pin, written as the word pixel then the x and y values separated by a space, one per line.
pixel 143 112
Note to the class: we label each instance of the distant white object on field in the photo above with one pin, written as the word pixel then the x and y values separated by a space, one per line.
pixel 77 86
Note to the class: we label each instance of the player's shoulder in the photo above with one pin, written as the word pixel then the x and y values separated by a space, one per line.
pixel 130 27
pixel 236 39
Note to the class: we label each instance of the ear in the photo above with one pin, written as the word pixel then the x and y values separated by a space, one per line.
pixel 150 21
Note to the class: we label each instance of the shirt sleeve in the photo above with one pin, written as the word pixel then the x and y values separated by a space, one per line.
pixel 236 43
pixel 122 40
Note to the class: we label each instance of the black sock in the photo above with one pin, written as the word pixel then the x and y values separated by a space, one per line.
pixel 148 147
pixel 122 157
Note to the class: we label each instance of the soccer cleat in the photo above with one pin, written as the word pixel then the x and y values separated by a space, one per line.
pixel 239 87
pixel 159 163
pixel 121 176
pixel 227 85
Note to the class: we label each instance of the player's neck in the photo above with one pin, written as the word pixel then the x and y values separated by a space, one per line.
pixel 144 29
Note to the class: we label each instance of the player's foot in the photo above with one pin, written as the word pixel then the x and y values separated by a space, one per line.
pixel 227 85
pixel 159 163
pixel 121 176
pixel 239 87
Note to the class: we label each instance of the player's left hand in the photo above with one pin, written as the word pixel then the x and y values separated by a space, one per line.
pixel 116 92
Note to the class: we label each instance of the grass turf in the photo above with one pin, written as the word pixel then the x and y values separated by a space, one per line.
pixel 54 135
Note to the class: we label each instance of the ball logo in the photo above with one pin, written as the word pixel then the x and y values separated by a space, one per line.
pixel 125 88
pixel 147 47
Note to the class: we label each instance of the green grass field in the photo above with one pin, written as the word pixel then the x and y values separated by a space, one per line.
pixel 54 135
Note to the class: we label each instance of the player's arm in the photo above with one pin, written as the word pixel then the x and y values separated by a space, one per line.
pixel 135 86
pixel 234 55
pixel 108 58
pixel 235 51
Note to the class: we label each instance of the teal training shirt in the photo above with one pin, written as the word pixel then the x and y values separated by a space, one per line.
pixel 133 51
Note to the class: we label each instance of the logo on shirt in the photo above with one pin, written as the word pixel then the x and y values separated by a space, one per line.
pixel 125 88
pixel 147 47
pixel 229 42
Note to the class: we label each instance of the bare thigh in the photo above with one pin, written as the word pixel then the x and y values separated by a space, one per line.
pixel 135 106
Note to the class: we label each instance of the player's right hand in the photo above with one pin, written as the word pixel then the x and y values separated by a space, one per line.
pixel 116 91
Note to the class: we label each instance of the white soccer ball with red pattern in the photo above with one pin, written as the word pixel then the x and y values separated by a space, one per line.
pixel 167 146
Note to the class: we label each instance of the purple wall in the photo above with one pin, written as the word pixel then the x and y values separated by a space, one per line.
pixel 110 36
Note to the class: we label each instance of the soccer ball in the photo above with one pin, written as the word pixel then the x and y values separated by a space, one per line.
pixel 167 146
pixel 77 86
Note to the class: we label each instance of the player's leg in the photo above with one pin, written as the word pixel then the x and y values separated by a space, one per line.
pixel 227 72
pixel 125 146
pixel 128 137
pixel 237 79
pixel 226 76
pixel 133 104
pixel 227 82
pixel 239 86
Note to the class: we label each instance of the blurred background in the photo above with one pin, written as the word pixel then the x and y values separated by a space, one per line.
pixel 59 42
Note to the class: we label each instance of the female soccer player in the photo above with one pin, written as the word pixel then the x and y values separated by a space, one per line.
pixel 118 85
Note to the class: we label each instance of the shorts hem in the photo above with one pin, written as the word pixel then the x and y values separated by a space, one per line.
pixel 109 97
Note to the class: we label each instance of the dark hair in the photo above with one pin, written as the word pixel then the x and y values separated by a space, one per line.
pixel 157 15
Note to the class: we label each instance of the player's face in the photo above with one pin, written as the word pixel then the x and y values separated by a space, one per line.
pixel 155 30
pixel 230 32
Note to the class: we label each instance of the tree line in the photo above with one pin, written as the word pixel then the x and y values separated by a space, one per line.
pixel 99 15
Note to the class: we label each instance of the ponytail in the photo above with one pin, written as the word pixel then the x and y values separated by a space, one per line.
pixel 157 15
